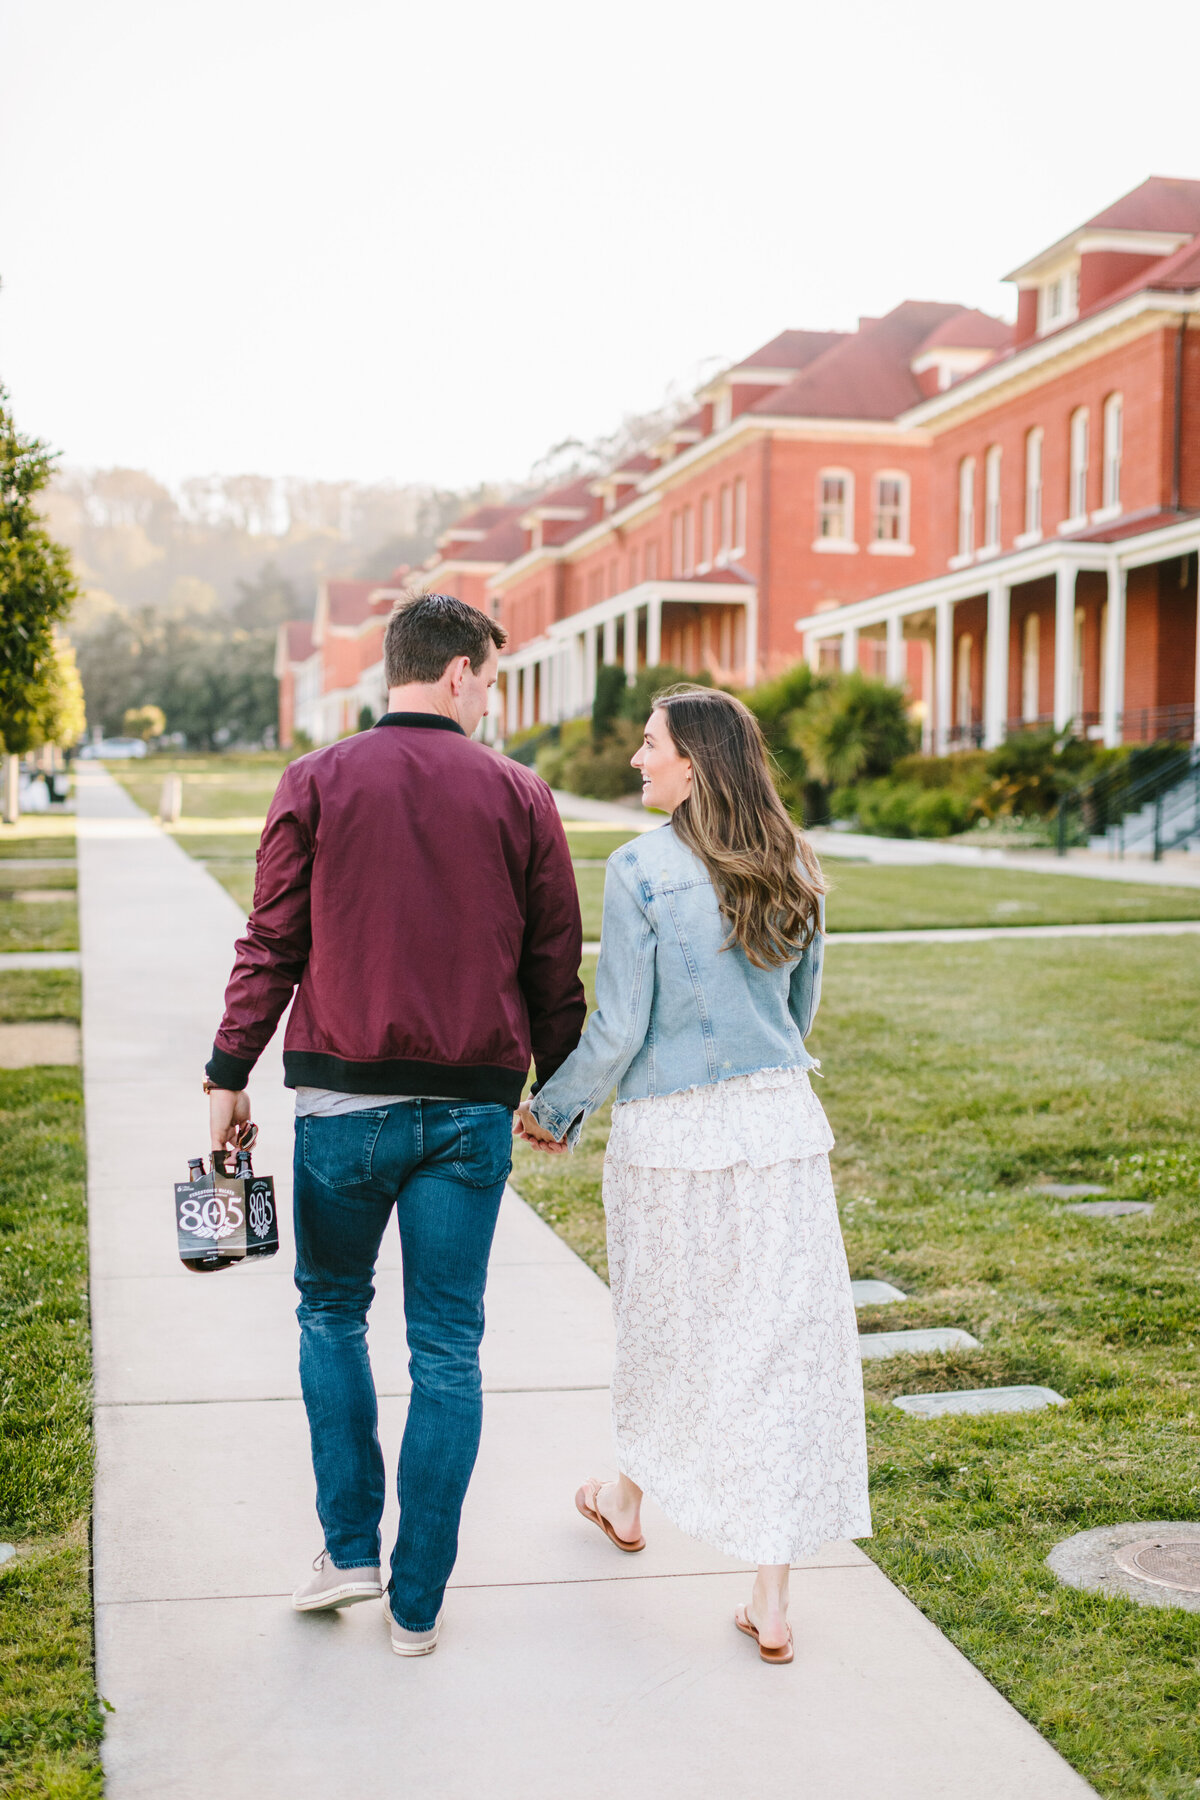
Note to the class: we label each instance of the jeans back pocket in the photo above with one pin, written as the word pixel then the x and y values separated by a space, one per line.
pixel 484 1144
pixel 339 1148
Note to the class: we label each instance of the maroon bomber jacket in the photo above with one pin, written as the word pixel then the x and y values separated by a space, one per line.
pixel 416 890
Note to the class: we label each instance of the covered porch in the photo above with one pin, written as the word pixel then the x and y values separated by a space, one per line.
pixel 697 624
pixel 1099 636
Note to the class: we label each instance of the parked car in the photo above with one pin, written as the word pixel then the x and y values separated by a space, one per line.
pixel 114 747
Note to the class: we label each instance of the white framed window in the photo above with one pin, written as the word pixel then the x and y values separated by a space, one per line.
pixel 1058 300
pixel 963 714
pixel 966 506
pixel 738 547
pixel 706 532
pixel 1077 484
pixel 689 541
pixel 726 520
pixel 1113 421
pixel 1050 304
pixel 890 522
pixel 676 546
pixel 991 498
pixel 1033 480
pixel 835 507
pixel 1030 668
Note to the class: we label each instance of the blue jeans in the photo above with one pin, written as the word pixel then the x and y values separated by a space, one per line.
pixel 442 1165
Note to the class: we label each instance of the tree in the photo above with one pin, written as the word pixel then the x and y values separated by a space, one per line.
pixel 852 728
pixel 144 722
pixel 36 591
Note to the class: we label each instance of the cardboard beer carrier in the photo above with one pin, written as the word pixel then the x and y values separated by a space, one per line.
pixel 223 1219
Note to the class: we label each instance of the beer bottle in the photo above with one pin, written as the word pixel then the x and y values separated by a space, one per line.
pixel 196 1211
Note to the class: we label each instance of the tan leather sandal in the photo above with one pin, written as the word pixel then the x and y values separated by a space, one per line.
pixel 585 1502
pixel 770 1653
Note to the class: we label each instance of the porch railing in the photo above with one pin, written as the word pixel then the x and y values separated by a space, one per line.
pixel 1159 775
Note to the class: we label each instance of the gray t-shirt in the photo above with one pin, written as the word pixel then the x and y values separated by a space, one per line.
pixel 326 1103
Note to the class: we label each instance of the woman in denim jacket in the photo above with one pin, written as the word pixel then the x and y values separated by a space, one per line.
pixel 737 1386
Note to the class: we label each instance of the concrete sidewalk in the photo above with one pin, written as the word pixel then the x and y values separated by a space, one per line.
pixel 565 1668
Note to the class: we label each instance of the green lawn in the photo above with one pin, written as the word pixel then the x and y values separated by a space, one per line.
pixel 14 881
pixel 15 844
pixel 955 1077
pixel 38 924
pixel 214 787
pixel 50 1720
pixel 868 897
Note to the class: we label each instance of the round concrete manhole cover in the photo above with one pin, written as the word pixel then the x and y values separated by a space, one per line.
pixel 1153 1561
pixel 1166 1561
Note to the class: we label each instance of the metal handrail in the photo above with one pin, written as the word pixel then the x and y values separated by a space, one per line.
pixel 1113 793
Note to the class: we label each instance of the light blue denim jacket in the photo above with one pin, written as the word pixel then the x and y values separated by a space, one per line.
pixel 673 1009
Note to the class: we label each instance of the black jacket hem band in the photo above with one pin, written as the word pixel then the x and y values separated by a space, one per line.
pixel 313 1068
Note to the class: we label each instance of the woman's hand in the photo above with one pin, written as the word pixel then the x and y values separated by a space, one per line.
pixel 525 1126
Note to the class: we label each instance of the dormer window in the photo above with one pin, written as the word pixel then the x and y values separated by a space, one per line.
pixel 1058 300
pixel 722 410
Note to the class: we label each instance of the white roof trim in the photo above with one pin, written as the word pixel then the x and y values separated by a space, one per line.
pixel 1081 241
pixel 1042 350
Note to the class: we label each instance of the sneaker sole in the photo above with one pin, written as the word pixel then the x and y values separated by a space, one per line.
pixel 335 1597
pixel 413 1649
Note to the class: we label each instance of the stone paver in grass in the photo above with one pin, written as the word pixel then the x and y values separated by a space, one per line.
pixel 978 1400
pixel 38 959
pixel 40 1041
pixel 1068 1190
pixel 35 896
pixel 875 1293
pixel 1109 1209
pixel 874 1345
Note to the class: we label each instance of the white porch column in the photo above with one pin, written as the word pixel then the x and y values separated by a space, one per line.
pixel 527 696
pixel 812 653
pixel 1196 683
pixel 849 650
pixel 653 633
pixel 631 645
pixel 897 661
pixel 943 669
pixel 995 680
pixel 546 691
pixel 1112 700
pixel 1064 646
pixel 610 640
pixel 512 700
pixel 589 665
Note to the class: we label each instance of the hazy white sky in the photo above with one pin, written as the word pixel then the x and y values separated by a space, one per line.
pixel 425 242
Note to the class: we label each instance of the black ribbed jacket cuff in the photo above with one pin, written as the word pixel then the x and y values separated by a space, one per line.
pixel 226 1071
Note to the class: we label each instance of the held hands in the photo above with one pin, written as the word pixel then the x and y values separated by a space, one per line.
pixel 526 1127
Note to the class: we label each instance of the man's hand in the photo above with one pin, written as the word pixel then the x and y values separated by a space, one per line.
pixel 525 1126
pixel 227 1113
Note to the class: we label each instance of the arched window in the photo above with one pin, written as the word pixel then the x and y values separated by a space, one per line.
pixel 1033 479
pixel 739 516
pixel 1077 498
pixel 962 708
pixel 1029 669
pixel 1112 450
pixel 991 498
pixel 890 522
pixel 835 506
pixel 726 524
pixel 966 506
pixel 706 532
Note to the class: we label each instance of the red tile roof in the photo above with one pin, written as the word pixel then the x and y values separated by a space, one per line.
pixel 572 493
pixel 1161 203
pixel 298 640
pixel 350 601
pixel 503 543
pixel 1152 519
pixel 867 375
pixel 968 330
pixel 501 528
pixel 791 350
pixel 641 464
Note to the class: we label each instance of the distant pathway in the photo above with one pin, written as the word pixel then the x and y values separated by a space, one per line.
pixel 1177 869
pixel 565 1669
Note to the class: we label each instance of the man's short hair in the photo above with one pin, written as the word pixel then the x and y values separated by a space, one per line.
pixel 428 631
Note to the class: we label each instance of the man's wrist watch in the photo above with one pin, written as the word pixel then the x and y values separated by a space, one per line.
pixel 210 1086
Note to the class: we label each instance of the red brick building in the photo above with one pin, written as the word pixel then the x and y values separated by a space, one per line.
pixel 1004 518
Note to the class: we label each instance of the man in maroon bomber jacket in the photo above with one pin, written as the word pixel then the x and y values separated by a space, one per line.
pixel 415 892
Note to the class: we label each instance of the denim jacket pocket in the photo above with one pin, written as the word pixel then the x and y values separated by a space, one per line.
pixel 339 1149
pixel 484 1144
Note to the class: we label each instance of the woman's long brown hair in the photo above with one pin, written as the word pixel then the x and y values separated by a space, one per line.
pixel 767 877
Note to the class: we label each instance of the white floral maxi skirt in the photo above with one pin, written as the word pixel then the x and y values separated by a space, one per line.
pixel 737 1385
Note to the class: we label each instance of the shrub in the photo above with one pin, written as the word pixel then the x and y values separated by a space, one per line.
pixel 604 773
pixel 891 808
pixel 851 728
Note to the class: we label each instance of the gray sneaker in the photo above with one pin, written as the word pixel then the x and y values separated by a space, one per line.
pixel 330 1586
pixel 411 1643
